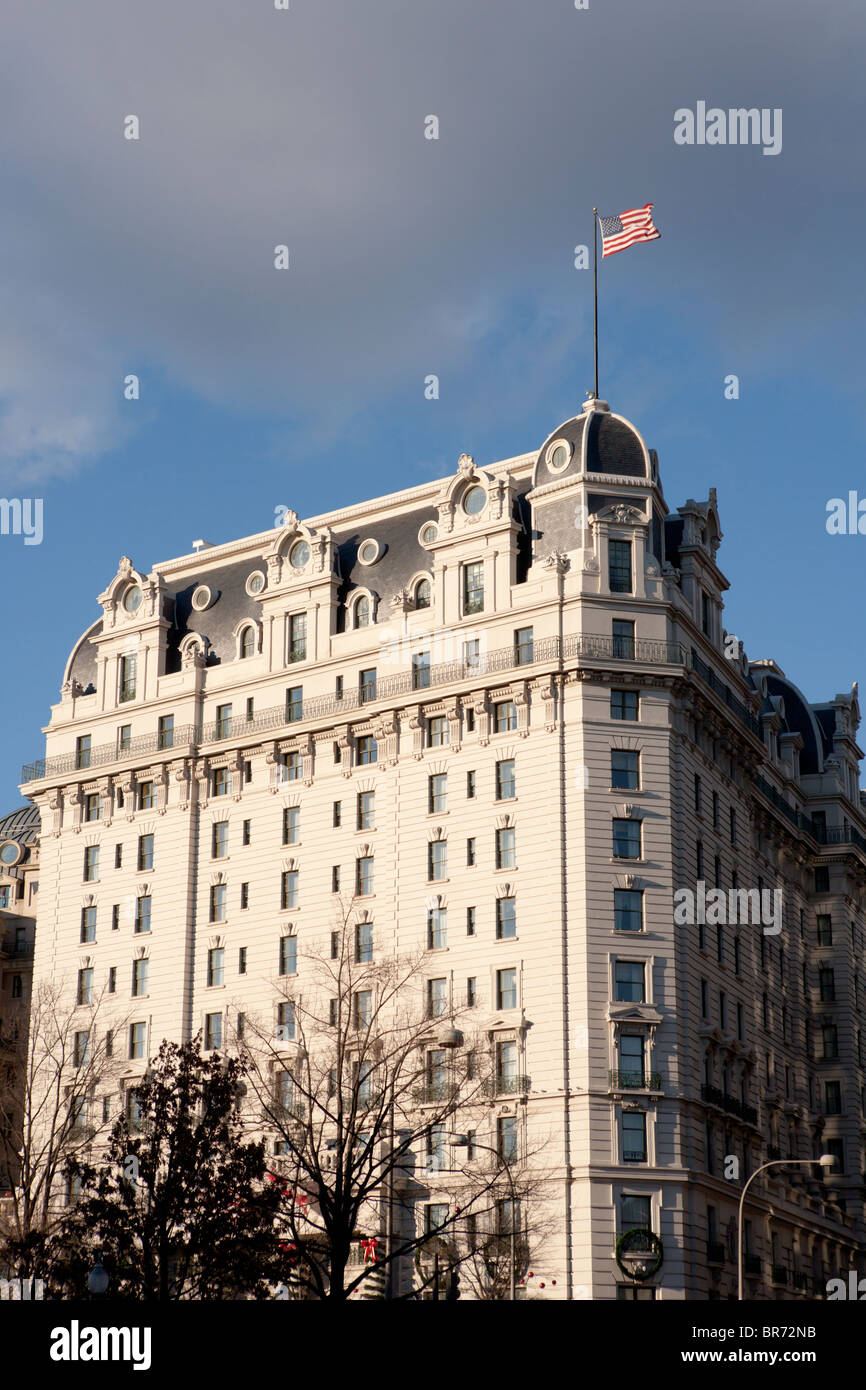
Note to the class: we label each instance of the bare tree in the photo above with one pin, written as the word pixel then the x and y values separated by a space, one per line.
pixel 362 1079
pixel 49 1113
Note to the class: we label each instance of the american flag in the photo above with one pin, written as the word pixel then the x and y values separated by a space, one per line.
pixel 619 232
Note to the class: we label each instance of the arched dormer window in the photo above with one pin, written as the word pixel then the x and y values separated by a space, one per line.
pixel 247 643
pixel 361 612
pixel 423 593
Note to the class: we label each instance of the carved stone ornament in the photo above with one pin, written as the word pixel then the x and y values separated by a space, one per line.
pixel 557 561
pixel 466 464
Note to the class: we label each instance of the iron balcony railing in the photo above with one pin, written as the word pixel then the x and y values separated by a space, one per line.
pixel 635 1080
pixel 713 1096
pixel 507 1085
pixel 435 1091
pixel 523 656
pixel 839 835
pixel 184 737
pixel 18 950
pixel 724 692
pixel 796 817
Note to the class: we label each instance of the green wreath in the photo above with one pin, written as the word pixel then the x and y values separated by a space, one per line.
pixel 654 1248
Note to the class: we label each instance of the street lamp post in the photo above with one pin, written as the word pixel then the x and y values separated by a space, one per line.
pixel 825 1161
pixel 461 1141
pixel 98 1279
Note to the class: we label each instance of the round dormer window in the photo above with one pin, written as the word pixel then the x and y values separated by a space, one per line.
pixel 559 455
pixel 299 555
pixel 255 583
pixel 132 599
pixel 428 533
pixel 10 852
pixel 202 598
pixel 475 501
pixel 368 552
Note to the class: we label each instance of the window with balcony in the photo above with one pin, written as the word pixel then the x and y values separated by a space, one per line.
pixel 619 567
pixel 421 671
pixel 524 646
pixel 623 639
pixel 631 1060
pixel 294 704
pixel 165 731
pixel 82 752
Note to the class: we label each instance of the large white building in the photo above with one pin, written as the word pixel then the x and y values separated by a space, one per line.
pixel 508 694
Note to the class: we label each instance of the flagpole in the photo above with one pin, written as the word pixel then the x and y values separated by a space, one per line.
pixel 595 295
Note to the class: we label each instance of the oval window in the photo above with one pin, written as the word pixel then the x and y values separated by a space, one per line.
pixel 475 501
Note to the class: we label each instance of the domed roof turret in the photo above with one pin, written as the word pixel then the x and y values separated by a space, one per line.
pixel 596 441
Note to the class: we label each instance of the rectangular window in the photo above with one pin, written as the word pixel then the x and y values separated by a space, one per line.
pixel 699 859
pixel 437 793
pixel 91 863
pixel 115 917
pixel 367 750
pixel 634 1136
pixel 246 832
pixel 128 668
pixel 82 751
pixel 623 639
pixel 506 989
pixel 505 780
pixel 124 739
pixel 705 999
pixel 220 781
pixel 291 767
pixel 626 839
pixel 740 1023
pixel 470 853
pixel 506 1138
pixel 218 893
pixel 437 859
pixel 830 1042
pixel 470 921
pixel 223 727
pixel 471 994
pixel 832 1097
pixel 298 637
pixel 338 814
pixel 242 960
pixel 288 955
pixel 506 849
pixel 219 841
pixel 697 794
pixel 437 998
pixel 472 654
pixel 294 704
pixel 335 878
pixel 822 879
pixel 145 852
pixel 364 876
pixel 470 785
pixel 137 1039
pixel 629 981
pixel 213 1031
pixel 140 970
pixel 93 807
pixel 627 909
pixel 506 1068
pixel 523 646
pixel 166 731
pixel 146 800
pixel 505 716
pixel 631 1059
pixel 438 732
pixel 88 924
pixel 364 943
pixel 732 830
pixel 437 928
pixel 363 1008
pixel 824 931
pixel 624 769
pixel 289 889
pixel 506 918
pixel 619 566
pixel 421 671
pixel 366 810
pixel 715 810
pixel 367 685
pixel 624 704
pixel 473 588
pixel 112 979
pixel 291 825
pixel 216 966
pixel 705 613
pixel 827 984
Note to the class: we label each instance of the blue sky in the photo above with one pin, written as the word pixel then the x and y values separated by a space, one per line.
pixel 410 257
